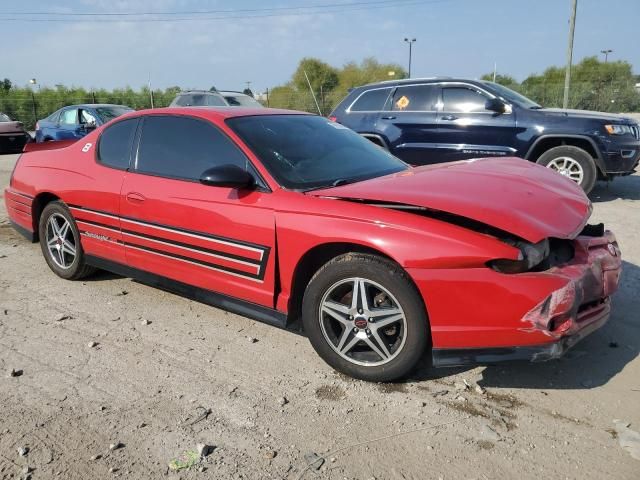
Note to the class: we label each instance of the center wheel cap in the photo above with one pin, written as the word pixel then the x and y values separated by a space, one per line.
pixel 361 323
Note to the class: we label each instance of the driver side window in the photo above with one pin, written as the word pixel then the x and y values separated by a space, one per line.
pixel 184 147
pixel 463 100
pixel 86 118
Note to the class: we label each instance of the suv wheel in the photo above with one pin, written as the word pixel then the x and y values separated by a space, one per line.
pixel 572 162
pixel 60 243
pixel 364 317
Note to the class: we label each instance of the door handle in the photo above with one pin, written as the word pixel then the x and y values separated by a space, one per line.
pixel 388 117
pixel 135 197
pixel 450 118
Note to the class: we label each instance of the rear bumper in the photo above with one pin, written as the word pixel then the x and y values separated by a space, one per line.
pixel 13 142
pixel 19 207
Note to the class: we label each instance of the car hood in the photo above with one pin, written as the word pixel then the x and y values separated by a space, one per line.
pixel 11 127
pixel 510 194
pixel 587 114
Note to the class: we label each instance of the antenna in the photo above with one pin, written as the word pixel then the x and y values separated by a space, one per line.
pixel 312 94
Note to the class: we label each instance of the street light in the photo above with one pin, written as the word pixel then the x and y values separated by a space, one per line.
pixel 33 81
pixel 606 54
pixel 410 42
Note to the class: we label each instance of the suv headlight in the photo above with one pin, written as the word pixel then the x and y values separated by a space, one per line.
pixel 530 256
pixel 617 129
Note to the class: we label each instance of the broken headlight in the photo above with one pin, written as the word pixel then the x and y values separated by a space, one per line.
pixel 531 255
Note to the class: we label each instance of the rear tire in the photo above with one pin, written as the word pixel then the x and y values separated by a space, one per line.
pixel 60 243
pixel 572 162
pixel 379 339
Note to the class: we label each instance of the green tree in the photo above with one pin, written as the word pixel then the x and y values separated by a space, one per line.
pixel 595 85
pixel 322 76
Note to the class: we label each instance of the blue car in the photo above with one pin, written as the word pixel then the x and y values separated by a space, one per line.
pixel 75 121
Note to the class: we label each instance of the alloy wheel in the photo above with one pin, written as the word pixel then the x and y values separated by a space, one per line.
pixel 362 321
pixel 567 167
pixel 61 242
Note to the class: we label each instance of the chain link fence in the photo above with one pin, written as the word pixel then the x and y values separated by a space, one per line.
pixel 28 105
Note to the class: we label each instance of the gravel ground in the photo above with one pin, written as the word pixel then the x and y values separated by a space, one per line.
pixel 109 361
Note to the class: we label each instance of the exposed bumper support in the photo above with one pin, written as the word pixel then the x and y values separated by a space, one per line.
pixel 535 353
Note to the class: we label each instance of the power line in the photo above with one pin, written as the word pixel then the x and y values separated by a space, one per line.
pixel 292 11
pixel 204 12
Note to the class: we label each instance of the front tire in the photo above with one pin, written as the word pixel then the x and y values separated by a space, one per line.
pixel 572 162
pixel 60 243
pixel 365 318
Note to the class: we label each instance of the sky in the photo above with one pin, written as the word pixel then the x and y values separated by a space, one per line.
pixel 462 38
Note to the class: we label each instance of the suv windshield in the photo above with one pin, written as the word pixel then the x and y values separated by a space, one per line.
pixel 109 113
pixel 305 152
pixel 511 96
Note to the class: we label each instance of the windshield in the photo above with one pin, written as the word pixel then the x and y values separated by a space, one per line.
pixel 4 118
pixel 241 101
pixel 305 152
pixel 109 113
pixel 511 96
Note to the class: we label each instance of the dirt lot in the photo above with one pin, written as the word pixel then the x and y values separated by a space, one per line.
pixel 145 385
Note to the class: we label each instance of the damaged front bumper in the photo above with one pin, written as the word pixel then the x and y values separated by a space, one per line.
pixel 565 316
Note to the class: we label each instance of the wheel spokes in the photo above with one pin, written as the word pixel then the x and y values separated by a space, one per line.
pixel 382 353
pixel 349 319
pixel 60 241
pixel 344 349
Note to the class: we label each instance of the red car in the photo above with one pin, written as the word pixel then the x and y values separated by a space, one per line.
pixel 282 216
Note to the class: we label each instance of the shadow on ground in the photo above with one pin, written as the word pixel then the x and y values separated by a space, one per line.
pixel 591 363
pixel 625 188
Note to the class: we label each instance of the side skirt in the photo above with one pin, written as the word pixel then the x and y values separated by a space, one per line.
pixel 225 302
pixel 28 234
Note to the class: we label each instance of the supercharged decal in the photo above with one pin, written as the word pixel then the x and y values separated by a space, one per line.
pixel 96 236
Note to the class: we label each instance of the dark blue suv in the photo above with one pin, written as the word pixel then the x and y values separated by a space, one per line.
pixel 424 121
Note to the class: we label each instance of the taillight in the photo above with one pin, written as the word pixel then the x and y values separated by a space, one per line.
pixel 333 118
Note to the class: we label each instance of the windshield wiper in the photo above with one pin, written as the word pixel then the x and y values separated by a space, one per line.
pixel 341 181
pixel 336 183
pixel 536 107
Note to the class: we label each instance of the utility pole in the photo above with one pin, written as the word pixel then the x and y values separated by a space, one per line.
pixel 410 42
pixel 495 70
pixel 567 75
pixel 606 54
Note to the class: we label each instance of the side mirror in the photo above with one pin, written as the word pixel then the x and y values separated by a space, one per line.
pixel 230 176
pixel 495 105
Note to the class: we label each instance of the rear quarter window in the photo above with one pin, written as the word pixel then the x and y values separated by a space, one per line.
pixel 371 100
pixel 114 146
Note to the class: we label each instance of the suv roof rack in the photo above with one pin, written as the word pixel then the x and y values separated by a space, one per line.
pixel 406 80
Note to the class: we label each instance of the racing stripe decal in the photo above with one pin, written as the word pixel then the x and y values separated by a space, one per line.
pixel 229 256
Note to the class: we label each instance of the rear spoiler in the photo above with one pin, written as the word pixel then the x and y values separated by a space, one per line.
pixel 52 145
